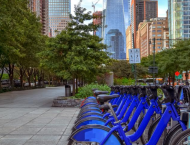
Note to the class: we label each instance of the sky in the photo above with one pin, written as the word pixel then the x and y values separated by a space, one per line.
pixel 162 6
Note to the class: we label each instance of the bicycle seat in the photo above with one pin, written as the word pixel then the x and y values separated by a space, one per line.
pixel 169 93
pixel 105 98
pixel 97 92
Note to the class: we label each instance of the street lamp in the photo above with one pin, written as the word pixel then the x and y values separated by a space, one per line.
pixel 154 69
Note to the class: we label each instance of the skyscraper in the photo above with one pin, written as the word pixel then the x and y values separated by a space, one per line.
pixel 40 7
pixel 45 17
pixel 127 15
pixel 114 28
pixel 142 10
pixel 179 19
pixel 59 11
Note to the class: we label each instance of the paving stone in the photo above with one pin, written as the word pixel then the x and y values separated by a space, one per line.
pixel 45 138
pixel 27 118
pixel 52 131
pixel 68 131
pixel 26 130
pixel 14 140
pixel 63 140
pixel 6 130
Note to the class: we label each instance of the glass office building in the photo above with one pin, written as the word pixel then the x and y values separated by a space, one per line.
pixel 59 12
pixel 114 32
pixel 127 15
pixel 179 19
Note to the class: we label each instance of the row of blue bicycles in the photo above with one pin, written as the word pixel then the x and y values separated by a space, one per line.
pixel 109 119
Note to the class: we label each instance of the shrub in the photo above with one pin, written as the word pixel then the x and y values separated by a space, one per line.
pixel 124 81
pixel 86 91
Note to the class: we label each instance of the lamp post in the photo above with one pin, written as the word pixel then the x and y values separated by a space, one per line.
pixel 154 68
pixel 134 65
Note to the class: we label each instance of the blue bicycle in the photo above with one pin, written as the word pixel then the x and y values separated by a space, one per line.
pixel 99 134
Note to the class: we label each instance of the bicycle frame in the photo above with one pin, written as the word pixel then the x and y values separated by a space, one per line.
pixel 131 138
pixel 129 100
pixel 142 105
pixel 121 106
pixel 169 113
pixel 133 105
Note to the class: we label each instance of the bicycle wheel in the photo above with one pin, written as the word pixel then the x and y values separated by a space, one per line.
pixel 182 139
pixel 93 135
pixel 177 129
pixel 144 137
pixel 152 129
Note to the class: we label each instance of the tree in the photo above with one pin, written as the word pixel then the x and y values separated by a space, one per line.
pixel 122 68
pixel 75 53
pixel 171 60
pixel 183 52
pixel 20 37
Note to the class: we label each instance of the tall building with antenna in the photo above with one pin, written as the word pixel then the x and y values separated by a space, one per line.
pixel 114 33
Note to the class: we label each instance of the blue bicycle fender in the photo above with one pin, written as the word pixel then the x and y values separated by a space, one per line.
pixel 95 134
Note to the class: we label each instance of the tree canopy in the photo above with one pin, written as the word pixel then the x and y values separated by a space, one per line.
pixel 171 60
pixel 20 38
pixel 75 53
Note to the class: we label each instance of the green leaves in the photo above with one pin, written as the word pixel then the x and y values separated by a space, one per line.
pixel 86 91
pixel 75 52
pixel 20 38
pixel 122 69
pixel 171 60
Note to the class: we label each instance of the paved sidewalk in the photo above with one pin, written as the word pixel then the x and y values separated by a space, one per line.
pixel 27 118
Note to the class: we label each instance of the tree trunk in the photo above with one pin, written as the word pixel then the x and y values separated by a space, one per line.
pixel 1 75
pixel 82 81
pixel 34 77
pixel 49 79
pixel 21 76
pixel 29 81
pixel 10 72
pixel 29 71
pixel 186 75
pixel 169 80
pixel 38 74
pixel 35 80
pixel 76 85
pixel 73 86
pixel 173 79
pixel 42 78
